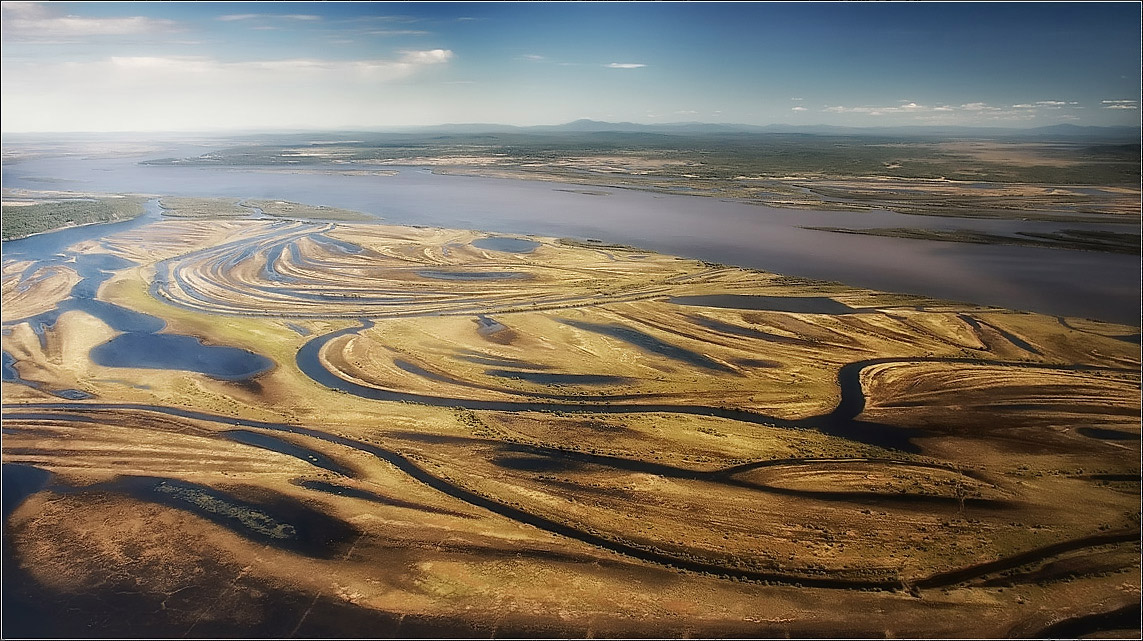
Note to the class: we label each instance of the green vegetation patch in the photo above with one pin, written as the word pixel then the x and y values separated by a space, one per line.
pixel 285 209
pixel 24 220
pixel 593 243
pixel 203 208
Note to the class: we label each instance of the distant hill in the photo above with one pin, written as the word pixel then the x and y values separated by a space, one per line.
pixel 702 128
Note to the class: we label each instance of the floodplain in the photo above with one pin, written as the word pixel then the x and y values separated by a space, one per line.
pixel 348 429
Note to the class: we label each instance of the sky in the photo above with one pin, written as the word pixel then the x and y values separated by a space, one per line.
pixel 203 66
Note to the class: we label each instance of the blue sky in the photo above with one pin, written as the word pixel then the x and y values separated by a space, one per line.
pixel 210 66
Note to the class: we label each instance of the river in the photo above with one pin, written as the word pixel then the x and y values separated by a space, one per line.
pixel 1063 282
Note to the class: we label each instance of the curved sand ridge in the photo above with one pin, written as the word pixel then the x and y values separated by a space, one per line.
pixel 320 271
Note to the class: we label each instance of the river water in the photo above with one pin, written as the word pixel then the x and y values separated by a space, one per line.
pixel 1054 281
pixel 142 343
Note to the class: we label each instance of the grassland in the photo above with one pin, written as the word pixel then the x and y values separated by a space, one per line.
pixel 556 441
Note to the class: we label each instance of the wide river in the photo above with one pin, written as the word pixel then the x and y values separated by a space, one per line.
pixel 1053 281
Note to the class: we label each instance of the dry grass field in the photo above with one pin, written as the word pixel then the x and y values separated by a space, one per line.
pixel 464 435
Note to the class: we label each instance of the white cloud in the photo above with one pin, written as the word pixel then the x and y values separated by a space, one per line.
pixel 534 57
pixel 429 57
pixel 397 32
pixel 797 99
pixel 130 69
pixel 978 106
pixel 924 113
pixel 878 111
pixel 625 65
pixel 1055 104
pixel 234 17
pixel 33 21
pixel 184 92
pixel 798 108
pixel 686 112
pixel 1120 104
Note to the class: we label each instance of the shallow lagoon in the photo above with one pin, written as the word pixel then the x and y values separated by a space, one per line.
pixel 140 345
pixel 174 351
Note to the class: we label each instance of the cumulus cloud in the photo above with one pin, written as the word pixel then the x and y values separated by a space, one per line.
pixel 429 57
pixel 1120 104
pixel 33 21
pixel 978 106
pixel 625 65
pixel 798 108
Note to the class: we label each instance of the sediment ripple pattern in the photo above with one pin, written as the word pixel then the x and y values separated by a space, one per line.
pixel 303 271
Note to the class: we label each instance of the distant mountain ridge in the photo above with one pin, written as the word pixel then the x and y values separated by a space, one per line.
pixel 703 128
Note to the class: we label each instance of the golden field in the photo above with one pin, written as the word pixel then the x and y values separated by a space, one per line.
pixel 560 440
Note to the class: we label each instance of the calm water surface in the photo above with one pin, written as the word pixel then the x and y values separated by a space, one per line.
pixel 1053 281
